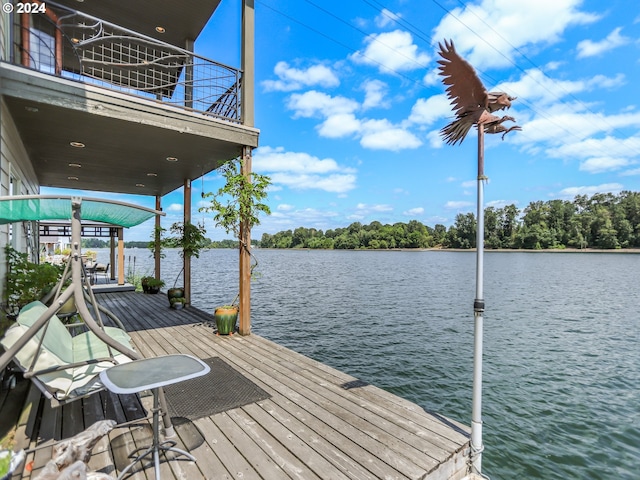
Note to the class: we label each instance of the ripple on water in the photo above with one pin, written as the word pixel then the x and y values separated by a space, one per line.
pixel 561 370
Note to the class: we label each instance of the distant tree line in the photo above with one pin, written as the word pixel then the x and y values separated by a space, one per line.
pixel 604 220
pixel 88 243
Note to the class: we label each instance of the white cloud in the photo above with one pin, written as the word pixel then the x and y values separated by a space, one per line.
pixel 174 207
pixel 309 217
pixel 383 135
pixel 339 125
pixel 283 207
pixel 363 208
pixel 269 159
pixel 427 111
pixel 469 183
pixel 435 140
pixel 535 86
pixel 457 205
pixel 571 192
pixel 290 78
pixel 340 121
pixel 603 164
pixel 629 173
pixel 567 123
pixel 375 91
pixel 335 183
pixel 313 103
pixel 391 51
pixel 412 212
pixel 488 34
pixel 386 18
pixel 302 171
pixel 589 48
pixel 501 203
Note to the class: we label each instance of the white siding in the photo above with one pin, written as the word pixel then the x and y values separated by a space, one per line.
pixel 14 164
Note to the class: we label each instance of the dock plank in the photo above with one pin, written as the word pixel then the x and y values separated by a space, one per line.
pixel 319 423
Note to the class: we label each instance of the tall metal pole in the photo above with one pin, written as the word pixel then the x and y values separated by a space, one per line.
pixel 478 310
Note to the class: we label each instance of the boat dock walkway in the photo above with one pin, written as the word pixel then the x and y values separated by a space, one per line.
pixel 316 422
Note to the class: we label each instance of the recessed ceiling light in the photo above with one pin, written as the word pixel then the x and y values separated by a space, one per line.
pixel 77 144
pixel 172 159
pixel 139 184
pixel 31 109
pixel 72 178
pixel 152 174
pixel 160 29
pixel 75 165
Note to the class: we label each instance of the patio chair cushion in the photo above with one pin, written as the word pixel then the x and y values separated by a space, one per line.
pixel 59 348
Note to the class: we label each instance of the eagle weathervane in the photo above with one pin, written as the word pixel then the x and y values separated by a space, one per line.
pixel 472 103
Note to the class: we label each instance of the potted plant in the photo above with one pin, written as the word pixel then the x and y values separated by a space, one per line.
pixel 226 317
pixel 190 239
pixel 151 284
pixel 238 202
pixel 177 302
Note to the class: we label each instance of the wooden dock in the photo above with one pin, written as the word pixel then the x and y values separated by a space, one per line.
pixel 318 423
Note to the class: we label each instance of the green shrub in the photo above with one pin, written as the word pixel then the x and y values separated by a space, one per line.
pixel 26 281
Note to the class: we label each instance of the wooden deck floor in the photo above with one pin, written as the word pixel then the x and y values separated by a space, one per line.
pixel 312 426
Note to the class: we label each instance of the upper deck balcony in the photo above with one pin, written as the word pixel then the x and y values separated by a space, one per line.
pixel 60 41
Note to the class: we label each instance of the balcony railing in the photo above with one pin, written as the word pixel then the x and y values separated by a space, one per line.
pixel 72 45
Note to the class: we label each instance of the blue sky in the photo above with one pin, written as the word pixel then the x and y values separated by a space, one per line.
pixel 349 105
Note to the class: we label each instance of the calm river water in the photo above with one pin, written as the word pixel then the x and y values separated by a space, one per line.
pixel 562 335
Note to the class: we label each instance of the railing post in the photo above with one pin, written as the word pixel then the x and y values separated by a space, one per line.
pixel 188 76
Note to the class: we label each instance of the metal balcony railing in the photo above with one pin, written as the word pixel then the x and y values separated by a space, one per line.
pixel 72 45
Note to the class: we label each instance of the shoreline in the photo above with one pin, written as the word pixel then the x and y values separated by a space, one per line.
pixel 486 250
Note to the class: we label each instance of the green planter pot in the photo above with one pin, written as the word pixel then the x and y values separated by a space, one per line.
pixel 175 292
pixel 226 319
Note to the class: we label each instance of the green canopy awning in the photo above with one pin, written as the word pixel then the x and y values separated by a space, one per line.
pixel 19 208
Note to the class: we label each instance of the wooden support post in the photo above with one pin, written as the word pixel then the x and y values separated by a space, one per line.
pixel 248 62
pixel 25 38
pixel 120 258
pixel 113 238
pixel 187 259
pixel 245 258
pixel 156 248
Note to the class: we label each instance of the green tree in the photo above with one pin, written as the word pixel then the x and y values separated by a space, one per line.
pixel 463 232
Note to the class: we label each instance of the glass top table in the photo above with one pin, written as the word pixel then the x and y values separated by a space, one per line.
pixel 151 373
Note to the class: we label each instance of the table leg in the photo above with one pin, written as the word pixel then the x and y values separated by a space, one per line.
pixel 166 446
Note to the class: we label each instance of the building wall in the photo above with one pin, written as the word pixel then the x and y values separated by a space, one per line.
pixel 17 176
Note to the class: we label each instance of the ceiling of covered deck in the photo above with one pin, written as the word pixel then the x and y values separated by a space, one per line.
pixel 181 20
pixel 119 156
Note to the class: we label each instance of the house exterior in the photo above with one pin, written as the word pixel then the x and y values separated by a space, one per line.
pixel 108 95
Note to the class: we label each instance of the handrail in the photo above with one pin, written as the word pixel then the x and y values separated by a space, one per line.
pixel 73 45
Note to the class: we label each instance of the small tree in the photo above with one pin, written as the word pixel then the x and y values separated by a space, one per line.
pixel 239 202
pixel 189 238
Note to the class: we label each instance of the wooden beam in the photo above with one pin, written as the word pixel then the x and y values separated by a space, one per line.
pixel 120 257
pixel 248 62
pixel 186 258
pixel 156 252
pixel 245 258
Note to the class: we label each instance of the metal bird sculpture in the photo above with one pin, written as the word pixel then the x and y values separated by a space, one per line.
pixel 472 104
